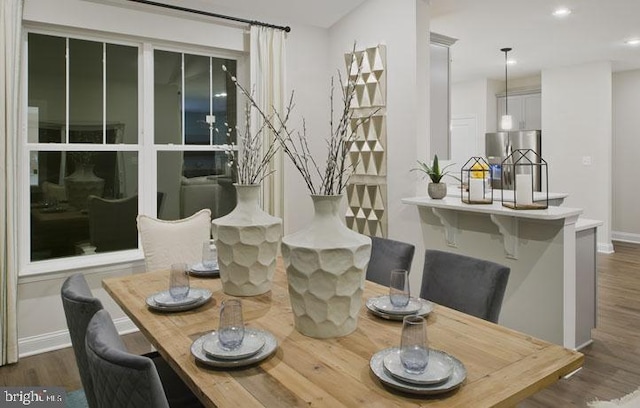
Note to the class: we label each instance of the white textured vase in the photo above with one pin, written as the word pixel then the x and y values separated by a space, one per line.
pixel 247 240
pixel 326 265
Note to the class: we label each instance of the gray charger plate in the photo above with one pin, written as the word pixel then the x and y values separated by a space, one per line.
pixel 458 375
pixel 270 346
pixel 205 296
pixel 427 307
pixel 214 273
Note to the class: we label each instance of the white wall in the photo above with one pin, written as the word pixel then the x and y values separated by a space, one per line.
pixel 626 148
pixel 577 117
pixel 309 71
pixel 472 98
pixel 403 26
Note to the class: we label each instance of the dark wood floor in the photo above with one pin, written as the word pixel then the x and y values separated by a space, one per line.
pixel 612 361
pixel 611 369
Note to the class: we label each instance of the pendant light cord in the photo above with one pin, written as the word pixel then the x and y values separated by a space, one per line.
pixel 506 87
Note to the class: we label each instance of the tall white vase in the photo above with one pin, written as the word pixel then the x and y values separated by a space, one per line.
pixel 247 240
pixel 326 265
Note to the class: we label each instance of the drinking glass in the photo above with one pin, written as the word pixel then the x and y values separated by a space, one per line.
pixel 179 281
pixel 209 255
pixel 231 328
pixel 414 350
pixel 399 288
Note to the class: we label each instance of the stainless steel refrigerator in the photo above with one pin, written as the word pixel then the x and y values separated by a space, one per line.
pixel 499 145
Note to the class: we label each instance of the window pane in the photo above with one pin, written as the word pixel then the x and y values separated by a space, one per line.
pixel 122 92
pixel 196 99
pixel 46 83
pixel 167 97
pixel 191 181
pixel 85 87
pixel 65 221
pixel 224 101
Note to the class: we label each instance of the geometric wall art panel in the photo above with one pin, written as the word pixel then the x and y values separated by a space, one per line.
pixel 366 211
pixel 367 192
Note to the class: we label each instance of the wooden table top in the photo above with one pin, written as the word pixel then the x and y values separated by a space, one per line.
pixel 503 366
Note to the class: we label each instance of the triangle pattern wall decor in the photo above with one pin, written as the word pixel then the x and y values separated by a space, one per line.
pixel 367 188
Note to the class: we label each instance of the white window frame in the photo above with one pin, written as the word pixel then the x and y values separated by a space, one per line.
pixel 147 150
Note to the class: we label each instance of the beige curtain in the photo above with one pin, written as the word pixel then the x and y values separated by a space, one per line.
pixel 268 82
pixel 10 27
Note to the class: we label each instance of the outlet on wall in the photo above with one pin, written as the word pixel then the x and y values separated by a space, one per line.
pixel 586 160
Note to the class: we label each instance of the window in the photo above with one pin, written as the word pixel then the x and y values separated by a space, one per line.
pixel 194 118
pixel 86 155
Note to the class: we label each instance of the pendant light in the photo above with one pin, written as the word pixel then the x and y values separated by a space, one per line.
pixel 506 122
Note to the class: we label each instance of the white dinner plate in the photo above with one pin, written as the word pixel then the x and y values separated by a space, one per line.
pixel 425 309
pixel 270 346
pixel 383 304
pixel 164 298
pixel 252 343
pixel 200 271
pixel 458 375
pixel 438 369
pixel 203 294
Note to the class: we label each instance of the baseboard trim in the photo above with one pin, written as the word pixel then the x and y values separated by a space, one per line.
pixel 625 237
pixel 42 343
pixel 605 248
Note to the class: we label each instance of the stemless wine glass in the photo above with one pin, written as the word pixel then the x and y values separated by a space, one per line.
pixel 399 288
pixel 179 281
pixel 414 350
pixel 209 255
pixel 231 328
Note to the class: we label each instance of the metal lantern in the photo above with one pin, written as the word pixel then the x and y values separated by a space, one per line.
pixel 474 176
pixel 527 172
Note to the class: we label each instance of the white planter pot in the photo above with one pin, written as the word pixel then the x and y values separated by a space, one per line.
pixel 247 240
pixel 81 184
pixel 326 265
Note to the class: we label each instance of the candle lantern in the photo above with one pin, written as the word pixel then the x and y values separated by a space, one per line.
pixel 474 176
pixel 527 171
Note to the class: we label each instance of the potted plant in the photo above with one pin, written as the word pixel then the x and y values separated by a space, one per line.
pixel 436 189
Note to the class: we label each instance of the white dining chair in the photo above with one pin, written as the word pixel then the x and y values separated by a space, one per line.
pixel 178 241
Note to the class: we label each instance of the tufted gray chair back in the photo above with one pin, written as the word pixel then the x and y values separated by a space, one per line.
pixel 386 255
pixel 121 379
pixel 79 307
pixel 470 285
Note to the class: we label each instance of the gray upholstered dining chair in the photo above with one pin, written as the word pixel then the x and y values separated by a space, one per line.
pixel 79 308
pixel 122 379
pixel 386 255
pixel 470 285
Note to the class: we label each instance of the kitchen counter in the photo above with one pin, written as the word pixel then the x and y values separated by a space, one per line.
pixel 539 246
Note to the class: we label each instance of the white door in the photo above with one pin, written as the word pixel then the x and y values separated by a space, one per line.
pixel 464 142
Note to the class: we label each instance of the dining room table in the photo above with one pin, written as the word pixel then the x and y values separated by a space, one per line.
pixel 503 366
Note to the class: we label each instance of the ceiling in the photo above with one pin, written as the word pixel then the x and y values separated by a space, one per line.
pixel 595 31
pixel 319 13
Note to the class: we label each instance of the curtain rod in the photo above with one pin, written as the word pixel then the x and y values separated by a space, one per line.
pixel 205 13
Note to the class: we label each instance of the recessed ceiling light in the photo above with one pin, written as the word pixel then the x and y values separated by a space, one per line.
pixel 561 12
pixel 633 41
pixel 511 62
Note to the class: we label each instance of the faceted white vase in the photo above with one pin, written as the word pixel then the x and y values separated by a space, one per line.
pixel 247 240
pixel 326 265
